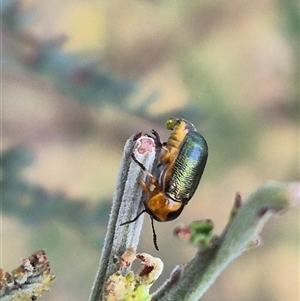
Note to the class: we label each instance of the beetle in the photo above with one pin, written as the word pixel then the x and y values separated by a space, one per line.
pixel 178 173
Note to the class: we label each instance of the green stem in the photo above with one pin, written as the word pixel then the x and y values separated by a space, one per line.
pixel 241 233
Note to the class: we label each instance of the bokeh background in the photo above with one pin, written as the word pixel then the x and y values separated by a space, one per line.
pixel 80 77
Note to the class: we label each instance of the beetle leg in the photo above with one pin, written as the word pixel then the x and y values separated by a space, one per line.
pixel 153 180
pixel 165 157
pixel 156 138
pixel 154 234
pixel 158 142
pixel 133 220
pixel 145 186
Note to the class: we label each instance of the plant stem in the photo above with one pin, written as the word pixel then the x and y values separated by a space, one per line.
pixel 240 234
pixel 127 203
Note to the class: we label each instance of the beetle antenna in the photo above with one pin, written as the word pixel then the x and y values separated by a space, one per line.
pixel 135 219
pixel 154 235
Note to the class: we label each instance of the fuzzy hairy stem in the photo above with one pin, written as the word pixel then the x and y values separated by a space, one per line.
pixel 127 204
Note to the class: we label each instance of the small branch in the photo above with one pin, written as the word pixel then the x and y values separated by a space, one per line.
pixel 127 204
pixel 241 233
pixel 27 282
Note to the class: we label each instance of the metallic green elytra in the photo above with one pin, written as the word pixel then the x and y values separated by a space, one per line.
pixel 187 169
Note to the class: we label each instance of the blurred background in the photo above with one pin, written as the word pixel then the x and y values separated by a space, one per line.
pixel 80 77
